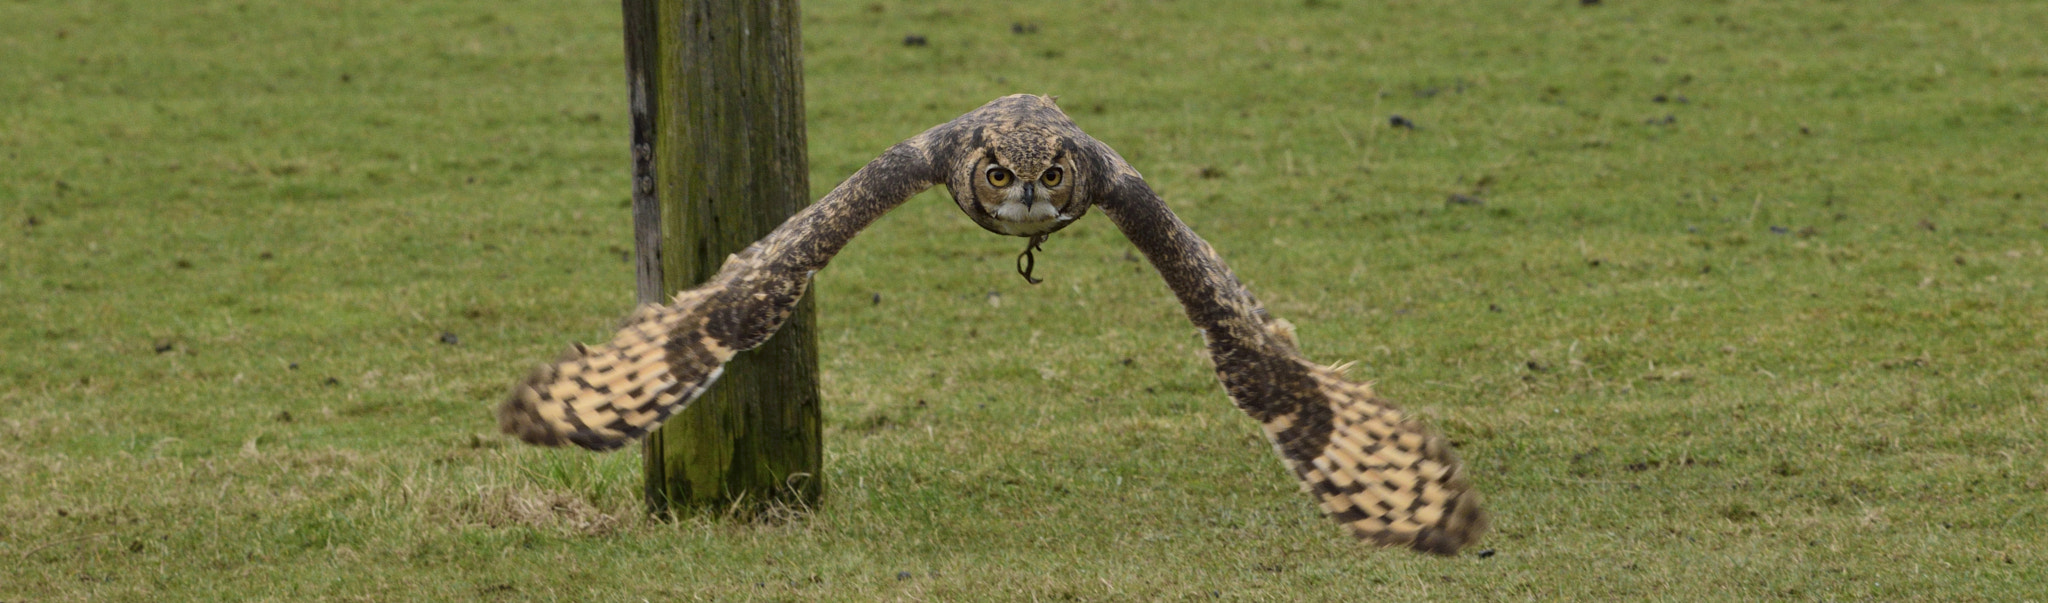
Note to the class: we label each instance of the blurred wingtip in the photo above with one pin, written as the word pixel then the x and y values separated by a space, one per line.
pixel 520 417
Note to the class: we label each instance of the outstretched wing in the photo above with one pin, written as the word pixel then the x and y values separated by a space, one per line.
pixel 664 357
pixel 1378 472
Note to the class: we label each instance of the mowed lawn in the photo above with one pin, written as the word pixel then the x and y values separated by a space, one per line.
pixel 1742 300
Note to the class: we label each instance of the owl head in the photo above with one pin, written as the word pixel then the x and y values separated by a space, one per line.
pixel 1021 172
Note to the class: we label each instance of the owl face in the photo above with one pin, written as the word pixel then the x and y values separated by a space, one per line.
pixel 1022 198
pixel 1024 182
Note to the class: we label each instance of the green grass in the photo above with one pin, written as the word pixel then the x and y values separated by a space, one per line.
pixel 1780 335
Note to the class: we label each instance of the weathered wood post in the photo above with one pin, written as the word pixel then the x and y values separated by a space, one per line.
pixel 718 161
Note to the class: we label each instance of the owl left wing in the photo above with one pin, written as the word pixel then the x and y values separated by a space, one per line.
pixel 1377 471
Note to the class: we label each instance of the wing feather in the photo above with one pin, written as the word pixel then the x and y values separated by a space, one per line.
pixel 1379 473
pixel 664 357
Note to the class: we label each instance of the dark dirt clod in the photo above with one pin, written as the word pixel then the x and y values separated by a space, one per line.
pixel 878 299
pixel 1463 199
pixel 164 347
pixel 330 382
pixel 283 416
pixel 1485 553
pixel 449 338
pixel 1023 28
pixel 902 575
pixel 915 40
pixel 266 256
pixel 1397 121
pixel 1780 230
pixel 32 222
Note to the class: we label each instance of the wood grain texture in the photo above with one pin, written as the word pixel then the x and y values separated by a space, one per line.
pixel 643 52
pixel 729 148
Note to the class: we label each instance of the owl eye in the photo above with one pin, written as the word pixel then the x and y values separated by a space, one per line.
pixel 1051 177
pixel 1000 176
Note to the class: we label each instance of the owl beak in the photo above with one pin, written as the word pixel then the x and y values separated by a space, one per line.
pixel 1030 193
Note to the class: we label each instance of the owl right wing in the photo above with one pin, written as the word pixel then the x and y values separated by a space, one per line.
pixel 664 357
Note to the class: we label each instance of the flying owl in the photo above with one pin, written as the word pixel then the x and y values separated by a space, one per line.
pixel 1018 166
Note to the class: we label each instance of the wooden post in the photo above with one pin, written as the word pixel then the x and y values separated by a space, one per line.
pixel 718 161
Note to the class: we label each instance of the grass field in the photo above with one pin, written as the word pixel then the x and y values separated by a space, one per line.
pixel 1754 306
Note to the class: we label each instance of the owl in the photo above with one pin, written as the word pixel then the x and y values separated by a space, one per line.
pixel 1018 166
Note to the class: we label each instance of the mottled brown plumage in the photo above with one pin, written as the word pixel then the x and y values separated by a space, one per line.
pixel 1019 166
